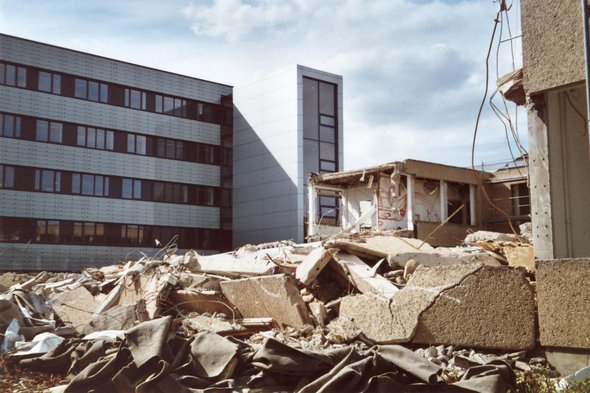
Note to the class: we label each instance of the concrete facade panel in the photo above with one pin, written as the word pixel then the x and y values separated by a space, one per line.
pixel 95 209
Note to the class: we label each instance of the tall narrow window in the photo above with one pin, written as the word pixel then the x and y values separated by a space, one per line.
pixel 81 87
pixel 42 131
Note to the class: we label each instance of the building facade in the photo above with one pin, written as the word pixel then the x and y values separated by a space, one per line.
pixel 100 158
pixel 286 126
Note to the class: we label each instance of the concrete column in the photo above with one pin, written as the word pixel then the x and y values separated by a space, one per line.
pixel 311 210
pixel 444 200
pixel 410 199
pixel 344 210
pixel 473 204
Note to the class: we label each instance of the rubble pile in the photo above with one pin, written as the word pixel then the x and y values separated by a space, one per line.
pixel 372 312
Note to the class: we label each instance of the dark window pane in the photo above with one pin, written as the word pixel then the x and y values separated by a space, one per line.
pixel 143 100
pixel 17 126
pixel 170 148
pixel 47 179
pixel 158 103
pixel 104 93
pixel 141 144
pixel 161 152
pixel 169 196
pixel 57 182
pixel 37 179
pixel 99 139
pixel 179 150
pixel 107 181
pixel 9 177
pixel 91 137
pixel 110 140
pixel 184 196
pixel 327 134
pixel 98 185
pixel 327 166
pixel 127 191
pixel 55 134
pixel 310 157
pixel 87 185
pixel 56 84
pixel 310 108
pixel 93 91
pixel 75 183
pixel 137 189
pixel 10 75
pixel 81 140
pixel 80 88
pixel 1 176
pixel 2 74
pixel 42 131
pixel 134 99
pixel 158 191
pixel 8 125
pixel 327 121
pixel 327 104
pixel 327 151
pixel 44 81
pixel 168 105
pixel 130 143
pixel 22 77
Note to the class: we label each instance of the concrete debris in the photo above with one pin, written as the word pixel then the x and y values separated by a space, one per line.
pixel 273 296
pixel 301 313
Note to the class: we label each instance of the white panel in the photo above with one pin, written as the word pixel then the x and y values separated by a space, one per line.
pixel 73 110
pixel 77 159
pixel 94 209
pixel 96 67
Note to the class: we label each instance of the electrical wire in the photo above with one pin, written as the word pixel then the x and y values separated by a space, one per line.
pixel 478 118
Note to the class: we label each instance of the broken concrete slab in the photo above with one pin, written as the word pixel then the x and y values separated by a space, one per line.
pixel 202 301
pixel 273 296
pixel 75 307
pixel 468 305
pixel 520 256
pixel 377 247
pixel 233 265
pixel 563 293
pixel 442 257
pixel 120 317
pixel 363 277
pixel 312 265
pixel 491 308
pixel 487 236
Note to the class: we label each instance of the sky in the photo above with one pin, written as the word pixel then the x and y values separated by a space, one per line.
pixel 413 70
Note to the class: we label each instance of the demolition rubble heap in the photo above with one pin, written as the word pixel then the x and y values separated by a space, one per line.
pixel 371 312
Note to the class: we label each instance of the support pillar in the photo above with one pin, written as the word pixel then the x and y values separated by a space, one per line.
pixel 444 200
pixel 472 204
pixel 311 210
pixel 410 199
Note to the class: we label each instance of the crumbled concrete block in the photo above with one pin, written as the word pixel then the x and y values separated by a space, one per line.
pixel 76 306
pixel 563 295
pixel 468 305
pixel 312 265
pixel 442 258
pixel 273 296
pixel 202 302
pixel 379 246
pixel 487 236
pixel 520 256
pixel 490 308
pixel 363 277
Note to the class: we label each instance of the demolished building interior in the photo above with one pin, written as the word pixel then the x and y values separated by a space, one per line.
pixel 411 285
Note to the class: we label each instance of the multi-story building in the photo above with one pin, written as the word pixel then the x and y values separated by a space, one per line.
pixel 99 158
pixel 286 126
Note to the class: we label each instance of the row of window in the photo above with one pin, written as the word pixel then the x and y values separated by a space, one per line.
pixel 64 182
pixel 43 130
pixel 24 230
pixel 48 81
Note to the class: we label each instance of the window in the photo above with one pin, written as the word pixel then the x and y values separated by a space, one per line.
pixel 47 231
pixel 47 180
pixel 135 99
pixel 90 90
pixel 132 234
pixel 95 138
pixel 93 185
pixel 88 233
pixel 47 131
pixel 6 176
pixel 131 189
pixel 170 105
pixel 10 126
pixel 49 82
pixel 12 75
pixel 136 144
